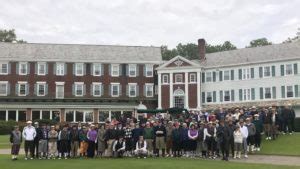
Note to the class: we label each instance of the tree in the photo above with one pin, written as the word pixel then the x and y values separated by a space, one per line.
pixel 296 38
pixel 9 36
pixel 259 42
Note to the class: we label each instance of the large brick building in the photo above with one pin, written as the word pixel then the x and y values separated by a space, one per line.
pixel 73 83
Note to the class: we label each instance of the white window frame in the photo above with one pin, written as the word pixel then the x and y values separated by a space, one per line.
pixel 246 73
pixel 195 78
pixel 56 92
pixel 246 94
pixel 76 86
pixel 1 67
pixel 6 84
pixel 270 67
pixel 285 71
pixel 38 88
pixel 149 85
pixel 180 76
pixel 60 69
pixel 224 91
pixel 129 87
pixel 132 68
pixel 20 68
pixel 113 66
pixel 211 94
pixel 94 69
pixel 286 91
pixel 19 88
pixel 165 81
pixel 206 77
pixel 94 87
pixel 149 68
pixel 271 93
pixel 111 89
pixel 77 69
pixel 39 64
pixel 229 75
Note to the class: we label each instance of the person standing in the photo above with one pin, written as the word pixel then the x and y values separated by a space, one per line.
pixel 287 117
pixel 100 141
pixel 231 140
pixel 244 131
pixel 238 141
pixel 176 140
pixel 29 134
pixel 169 129
pixel 52 143
pixel 193 136
pixel 110 136
pixel 83 141
pixel 15 140
pixel 148 136
pixel 36 141
pixel 92 139
pixel 210 133
pixel 274 123
pixel 64 137
pixel 259 129
pixel 128 140
pixel 74 138
pixel 160 138
pixel 251 134
pixel 42 137
pixel 224 135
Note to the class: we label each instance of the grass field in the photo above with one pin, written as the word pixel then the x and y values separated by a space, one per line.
pixel 131 163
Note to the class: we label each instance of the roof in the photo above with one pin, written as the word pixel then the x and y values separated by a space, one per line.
pixel 276 52
pixel 79 53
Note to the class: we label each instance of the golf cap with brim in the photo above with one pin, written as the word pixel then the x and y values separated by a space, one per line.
pixel 36 122
pixel 256 115
pixel 29 122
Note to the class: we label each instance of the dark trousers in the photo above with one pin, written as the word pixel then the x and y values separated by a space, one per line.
pixel 250 140
pixel 64 146
pixel 29 145
pixel 176 147
pixel 224 145
pixel 293 125
pixel 287 126
pixel 231 146
pixel 36 149
pixel 257 140
pixel 118 154
pixel 91 149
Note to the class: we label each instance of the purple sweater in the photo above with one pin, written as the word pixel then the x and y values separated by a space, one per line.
pixel 92 135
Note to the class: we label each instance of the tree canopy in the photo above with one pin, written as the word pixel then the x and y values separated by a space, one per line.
pixel 9 36
pixel 259 42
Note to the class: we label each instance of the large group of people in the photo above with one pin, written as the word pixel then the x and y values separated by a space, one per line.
pixel 216 134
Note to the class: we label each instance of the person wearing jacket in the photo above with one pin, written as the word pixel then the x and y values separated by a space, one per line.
pixel 160 138
pixel 119 147
pixel 251 134
pixel 92 139
pixel 258 130
pixel 141 148
pixel 15 140
pixel 101 141
pixel 176 140
pixel 193 136
pixel 148 136
pixel 74 139
pixel 184 139
pixel 274 122
pixel 63 137
pixel 52 142
pixel 209 137
pixel 238 141
pixel 29 134
pixel 83 141
pixel 224 135
pixel 42 137
pixel 244 130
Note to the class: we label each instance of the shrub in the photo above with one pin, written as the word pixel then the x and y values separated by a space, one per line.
pixel 7 126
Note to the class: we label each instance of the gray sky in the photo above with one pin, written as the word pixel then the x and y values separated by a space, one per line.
pixel 150 22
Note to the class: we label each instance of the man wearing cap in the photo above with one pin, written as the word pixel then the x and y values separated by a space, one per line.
pixel 83 141
pixel 15 140
pixel 74 138
pixel 42 137
pixel 36 141
pixel 210 133
pixel 244 131
pixel 259 129
pixel 148 136
pixel 160 138
pixel 169 129
pixel 63 137
pixel 29 133
pixel 92 137
pixel 251 133
pixel 110 136
pixel 223 135
pixel 176 147
pixel 52 144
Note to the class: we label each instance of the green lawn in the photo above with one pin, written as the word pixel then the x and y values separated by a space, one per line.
pixel 283 145
pixel 4 141
pixel 131 163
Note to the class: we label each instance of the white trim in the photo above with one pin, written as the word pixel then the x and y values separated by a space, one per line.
pixel 163 76
pixel 76 88
pixel 60 83
pixel 41 82
pixel 61 70
pixel 4 63
pixel 19 88
pixel 198 90
pixel 38 88
pixel 135 88
pixel 93 89
pixel 293 90
pixel 147 70
pixel 159 91
pixel 151 85
pixel 285 69
pixel 175 58
pixel 224 75
pixel 132 66
pixel 112 70
pixel 111 89
pixel 38 68
pixel 171 90
pixel 76 69
pixel 100 71
pixel 179 75
pixel 78 82
pixel 263 71
pixel 192 82
pixel 186 88
pixel 6 91
pixel 23 63
pixel 56 93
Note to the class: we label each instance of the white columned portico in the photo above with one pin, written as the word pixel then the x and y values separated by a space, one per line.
pixel 198 91
pixel 186 90
pixel 159 90
pixel 171 90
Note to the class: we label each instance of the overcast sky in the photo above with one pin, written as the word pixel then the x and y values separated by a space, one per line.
pixel 150 22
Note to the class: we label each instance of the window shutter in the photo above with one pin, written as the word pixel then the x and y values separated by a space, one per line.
pixel 221 96
pixel 282 70
pixel 28 68
pixel 17 89
pixel 17 68
pixel 120 90
pixel 240 74
pixel 214 96
pixel 8 89
pixel 137 90
pixel 260 72
pixel 54 69
pixel 102 69
pixel 74 68
pixel 220 76
pixel 46 89
pixel 127 90
pixel 91 89
pixel 282 91
pixel 84 90
pixel 46 68
pixel 109 90
pixel 121 70
pixel 137 70
pixel 274 92
pixel 232 74
pixel 9 68
pixel 252 93
pixel 145 90
pixel 73 89
pixel 65 69
pixel 109 69
pixel 261 93
pixel 252 73
pixel 27 89
pixel 36 68
pixel 273 71
pixel 35 89
pixel 127 70
pixel 296 91
pixel 214 76
pixel 232 95
pixel 295 68
pixel 101 90
pixel 92 69
pixel 241 94
pixel 203 97
pixel 203 77
pixel 84 69
pixel 144 70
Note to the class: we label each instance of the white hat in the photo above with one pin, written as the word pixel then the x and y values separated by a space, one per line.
pixel 36 122
pixel 29 122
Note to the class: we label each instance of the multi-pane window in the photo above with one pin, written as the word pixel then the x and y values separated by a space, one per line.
pixel 60 69
pixel 132 90
pixel 115 70
pixel 3 68
pixel 178 78
pixel 41 68
pixel 132 70
pixel 97 89
pixel 115 90
pixel 79 69
pixel 289 69
pixel 226 75
pixel 246 73
pixel 22 86
pixel 267 71
pixel 226 95
pixel 41 88
pixel 23 68
pixel 289 91
pixel 149 90
pixel 165 79
pixel 149 70
pixel 60 90
pixel 3 88
pixel 193 78
pixel 79 89
pixel 209 97
pixel 97 69
pixel 247 94
pixel 208 76
pixel 268 93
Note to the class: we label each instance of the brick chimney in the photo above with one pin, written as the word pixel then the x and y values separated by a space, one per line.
pixel 201 48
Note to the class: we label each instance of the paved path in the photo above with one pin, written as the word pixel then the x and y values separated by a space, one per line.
pixel 258 159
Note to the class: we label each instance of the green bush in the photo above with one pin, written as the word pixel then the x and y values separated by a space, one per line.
pixel 46 121
pixel 7 126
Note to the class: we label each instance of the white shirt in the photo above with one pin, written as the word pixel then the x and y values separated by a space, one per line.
pixel 142 148
pixel 244 131
pixel 29 133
